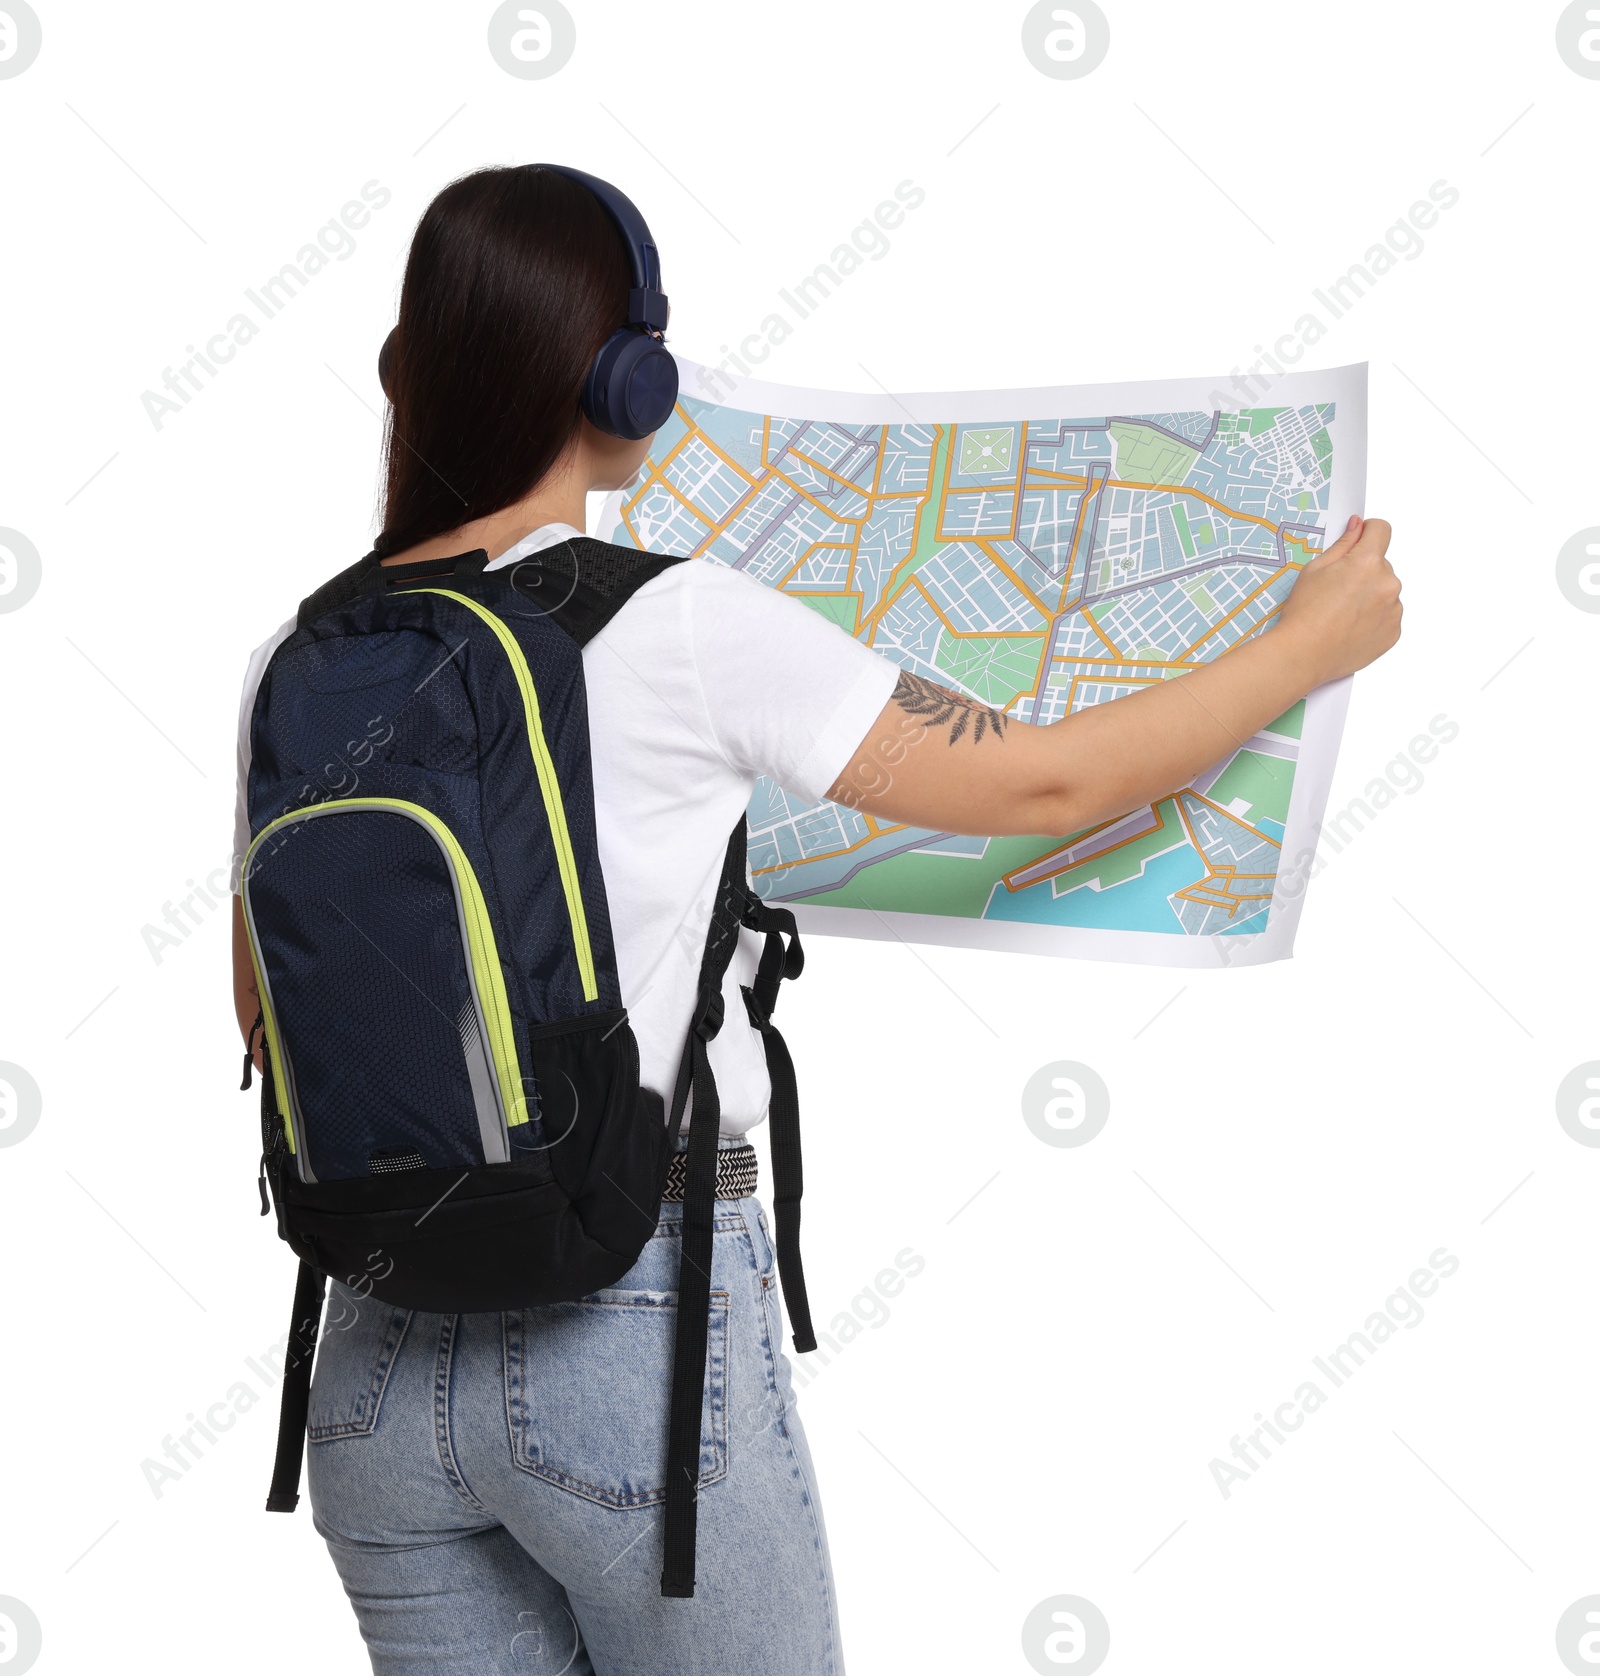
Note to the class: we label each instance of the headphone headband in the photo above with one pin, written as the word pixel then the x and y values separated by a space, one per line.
pixel 647 304
pixel 632 383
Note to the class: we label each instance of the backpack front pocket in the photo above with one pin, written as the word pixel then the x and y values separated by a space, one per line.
pixel 382 993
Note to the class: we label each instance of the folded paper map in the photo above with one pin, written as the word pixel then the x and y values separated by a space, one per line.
pixel 1041 551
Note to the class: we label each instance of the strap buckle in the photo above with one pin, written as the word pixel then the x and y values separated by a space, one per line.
pixel 709 1013
pixel 760 1016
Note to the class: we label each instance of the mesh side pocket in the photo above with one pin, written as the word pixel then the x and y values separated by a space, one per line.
pixel 606 1144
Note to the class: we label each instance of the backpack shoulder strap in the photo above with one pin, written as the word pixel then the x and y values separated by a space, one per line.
pixel 339 590
pixel 370 576
pixel 583 583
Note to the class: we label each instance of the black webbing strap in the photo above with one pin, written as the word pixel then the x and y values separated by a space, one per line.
pixel 581 583
pixel 695 1078
pixel 304 1327
pixel 779 961
pixel 371 575
pixel 694 1307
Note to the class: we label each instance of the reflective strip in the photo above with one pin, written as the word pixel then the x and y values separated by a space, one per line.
pixel 269 1026
pixel 488 979
pixel 549 785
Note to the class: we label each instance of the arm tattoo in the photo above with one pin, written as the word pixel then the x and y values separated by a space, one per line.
pixel 935 705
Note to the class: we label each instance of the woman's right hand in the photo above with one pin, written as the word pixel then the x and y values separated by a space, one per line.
pixel 1345 607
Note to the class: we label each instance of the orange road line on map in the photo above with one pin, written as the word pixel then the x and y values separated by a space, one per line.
pixel 753 486
pixel 827 471
pixel 665 460
pixel 826 593
pixel 1203 893
pixel 1189 831
pixel 672 453
pixel 726 458
pixel 809 554
pixel 1130 663
pixel 1254 594
pixel 691 429
pixel 1088 617
pixel 944 488
pixel 1054 479
pixel 1012 487
pixel 890 594
pixel 932 604
pixel 1118 680
pixel 688 505
pixel 639 495
pixel 1015 491
pixel 1213 869
pixel 872 500
pixel 1094 855
pixel 1206 895
pixel 826 855
pixel 970 634
pixel 1228 814
pixel 806 495
pixel 1012 577
pixel 1229 873
pixel 1199 494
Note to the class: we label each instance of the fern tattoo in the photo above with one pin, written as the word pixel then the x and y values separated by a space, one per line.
pixel 935 706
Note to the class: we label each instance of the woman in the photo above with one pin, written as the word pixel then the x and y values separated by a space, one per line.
pixel 483 1482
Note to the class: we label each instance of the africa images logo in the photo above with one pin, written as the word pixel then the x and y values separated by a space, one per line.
pixel 531 41
pixel 20 570
pixel 20 37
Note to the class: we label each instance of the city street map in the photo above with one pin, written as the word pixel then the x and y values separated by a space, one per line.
pixel 1040 551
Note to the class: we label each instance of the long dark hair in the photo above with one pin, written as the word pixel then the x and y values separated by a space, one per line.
pixel 515 278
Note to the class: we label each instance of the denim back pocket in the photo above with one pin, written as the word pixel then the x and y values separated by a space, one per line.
pixel 587 1391
pixel 360 1340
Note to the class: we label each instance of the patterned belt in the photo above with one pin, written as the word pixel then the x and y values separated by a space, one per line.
pixel 736 1173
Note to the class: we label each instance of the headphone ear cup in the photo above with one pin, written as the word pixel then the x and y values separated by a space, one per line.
pixel 632 385
pixel 386 362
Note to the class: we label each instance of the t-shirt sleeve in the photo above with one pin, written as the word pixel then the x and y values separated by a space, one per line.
pixel 787 693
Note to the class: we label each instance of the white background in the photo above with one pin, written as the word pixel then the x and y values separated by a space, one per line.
pixel 1285 1145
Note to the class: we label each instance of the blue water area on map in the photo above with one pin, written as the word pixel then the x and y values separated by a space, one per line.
pixel 1256 922
pixel 1273 829
pixel 1138 905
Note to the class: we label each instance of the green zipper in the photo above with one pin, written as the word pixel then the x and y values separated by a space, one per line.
pixel 269 1025
pixel 549 784
pixel 488 976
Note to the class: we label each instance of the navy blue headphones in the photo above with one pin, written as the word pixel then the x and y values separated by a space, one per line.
pixel 632 382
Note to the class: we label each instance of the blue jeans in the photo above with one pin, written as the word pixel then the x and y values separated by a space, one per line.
pixel 490 1486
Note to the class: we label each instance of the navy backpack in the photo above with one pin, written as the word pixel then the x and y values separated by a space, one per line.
pixel 452 1118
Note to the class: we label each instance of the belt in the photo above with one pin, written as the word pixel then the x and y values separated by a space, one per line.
pixel 736 1173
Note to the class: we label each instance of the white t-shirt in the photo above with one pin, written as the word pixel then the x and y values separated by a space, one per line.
pixel 703 682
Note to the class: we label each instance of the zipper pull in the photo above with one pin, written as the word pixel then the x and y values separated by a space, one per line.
pixel 250 1049
pixel 261 1183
